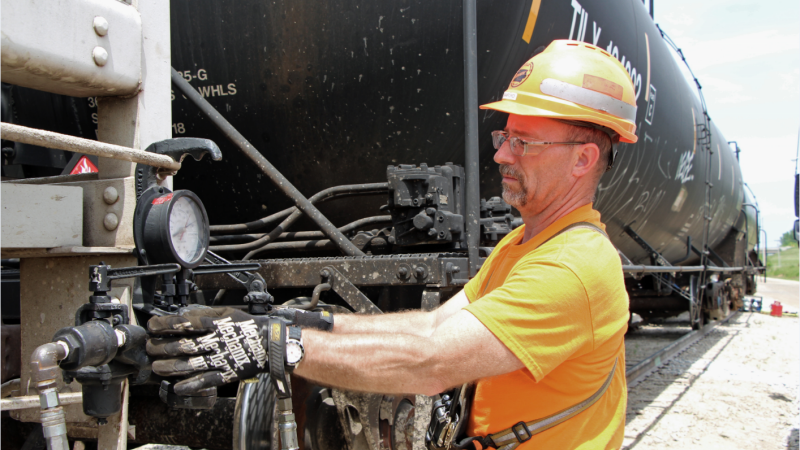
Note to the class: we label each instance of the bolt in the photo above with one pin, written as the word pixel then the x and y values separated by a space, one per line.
pixel 402 272
pixel 100 26
pixel 100 56
pixel 324 273
pixel 420 273
pixel 111 221
pixel 110 195
pixel 440 218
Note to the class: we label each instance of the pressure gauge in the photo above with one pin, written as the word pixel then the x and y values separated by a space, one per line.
pixel 174 228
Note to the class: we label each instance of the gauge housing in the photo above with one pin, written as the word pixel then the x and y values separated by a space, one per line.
pixel 154 234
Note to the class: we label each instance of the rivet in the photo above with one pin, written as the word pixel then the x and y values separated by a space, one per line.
pixel 111 221
pixel 100 56
pixel 100 26
pixel 110 195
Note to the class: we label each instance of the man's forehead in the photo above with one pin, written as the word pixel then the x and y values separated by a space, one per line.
pixel 532 126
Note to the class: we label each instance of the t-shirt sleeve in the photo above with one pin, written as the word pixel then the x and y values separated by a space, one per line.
pixel 540 313
pixel 472 287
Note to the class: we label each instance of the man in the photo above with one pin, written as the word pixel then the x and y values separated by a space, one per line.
pixel 540 329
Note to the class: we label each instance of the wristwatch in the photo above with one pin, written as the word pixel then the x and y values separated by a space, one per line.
pixel 294 347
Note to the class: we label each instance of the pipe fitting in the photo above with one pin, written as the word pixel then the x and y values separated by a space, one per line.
pixel 44 363
pixel 44 370
pixel 48 398
pixel 54 429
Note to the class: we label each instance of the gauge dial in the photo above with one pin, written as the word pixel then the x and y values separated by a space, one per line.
pixel 175 228
pixel 185 228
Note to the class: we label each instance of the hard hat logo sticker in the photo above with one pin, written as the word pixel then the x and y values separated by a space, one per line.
pixel 522 74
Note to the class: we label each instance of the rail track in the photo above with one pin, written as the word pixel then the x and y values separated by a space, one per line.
pixel 665 340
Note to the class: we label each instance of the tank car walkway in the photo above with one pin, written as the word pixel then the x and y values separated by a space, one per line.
pixel 735 389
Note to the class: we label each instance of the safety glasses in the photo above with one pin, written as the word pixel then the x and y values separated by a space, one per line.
pixel 522 148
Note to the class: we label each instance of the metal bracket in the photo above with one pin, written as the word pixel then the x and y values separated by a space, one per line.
pixel 655 257
pixel 348 291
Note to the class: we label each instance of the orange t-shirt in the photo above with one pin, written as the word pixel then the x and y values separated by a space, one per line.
pixel 562 309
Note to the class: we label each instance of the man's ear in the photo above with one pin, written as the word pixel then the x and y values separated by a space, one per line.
pixel 587 156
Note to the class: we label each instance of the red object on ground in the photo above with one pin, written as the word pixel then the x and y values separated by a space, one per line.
pixel 84 166
pixel 777 309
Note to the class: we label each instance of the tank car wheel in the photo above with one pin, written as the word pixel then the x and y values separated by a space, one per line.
pixel 696 315
pixel 255 425
pixel 722 307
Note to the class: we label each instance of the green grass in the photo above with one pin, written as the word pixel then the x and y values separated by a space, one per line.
pixel 787 266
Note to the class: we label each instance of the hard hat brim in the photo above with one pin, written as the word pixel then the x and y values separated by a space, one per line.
pixel 512 107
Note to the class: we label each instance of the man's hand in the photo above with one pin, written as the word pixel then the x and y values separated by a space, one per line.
pixel 223 344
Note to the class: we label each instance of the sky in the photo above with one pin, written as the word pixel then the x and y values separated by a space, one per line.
pixel 746 55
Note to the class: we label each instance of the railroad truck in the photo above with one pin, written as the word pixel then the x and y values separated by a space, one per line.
pixel 329 155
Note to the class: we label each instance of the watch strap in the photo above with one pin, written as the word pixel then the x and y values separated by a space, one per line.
pixel 277 356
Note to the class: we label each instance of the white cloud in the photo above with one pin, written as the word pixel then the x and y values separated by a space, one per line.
pixel 790 81
pixel 725 91
pixel 706 54
pixel 766 159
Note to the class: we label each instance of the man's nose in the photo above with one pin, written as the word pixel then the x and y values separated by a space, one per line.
pixel 503 154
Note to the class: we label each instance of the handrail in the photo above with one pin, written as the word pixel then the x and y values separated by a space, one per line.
pixel 33 136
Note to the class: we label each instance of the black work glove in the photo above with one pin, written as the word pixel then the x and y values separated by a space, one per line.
pixel 223 344
pixel 319 320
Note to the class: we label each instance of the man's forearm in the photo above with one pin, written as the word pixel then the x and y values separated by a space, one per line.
pixel 418 323
pixel 391 364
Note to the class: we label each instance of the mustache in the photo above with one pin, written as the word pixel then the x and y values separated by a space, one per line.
pixel 507 170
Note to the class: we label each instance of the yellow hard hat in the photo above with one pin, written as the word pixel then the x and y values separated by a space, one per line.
pixel 576 81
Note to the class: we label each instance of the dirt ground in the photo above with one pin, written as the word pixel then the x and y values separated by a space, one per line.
pixel 784 291
pixel 735 389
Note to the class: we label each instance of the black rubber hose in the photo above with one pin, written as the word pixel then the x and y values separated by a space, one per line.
pixel 322 196
pixel 300 235
pixel 302 203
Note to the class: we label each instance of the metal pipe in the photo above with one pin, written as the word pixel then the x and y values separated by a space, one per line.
pixel 322 244
pixel 302 234
pixel 267 238
pixel 321 196
pixel 60 141
pixel 32 401
pixel 44 371
pixel 318 289
pixel 471 153
pixel 302 203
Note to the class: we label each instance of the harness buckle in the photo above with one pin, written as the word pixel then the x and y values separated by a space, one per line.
pixel 518 431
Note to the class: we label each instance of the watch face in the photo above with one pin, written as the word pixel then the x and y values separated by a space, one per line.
pixel 187 229
pixel 294 352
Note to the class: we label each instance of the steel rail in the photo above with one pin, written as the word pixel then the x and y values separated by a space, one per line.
pixel 60 141
pixel 303 204
pixel 661 269
pixel 640 371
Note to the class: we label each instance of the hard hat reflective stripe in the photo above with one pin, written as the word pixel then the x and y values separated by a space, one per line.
pixel 586 97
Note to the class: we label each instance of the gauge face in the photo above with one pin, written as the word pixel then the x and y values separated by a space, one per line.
pixel 174 228
pixel 186 229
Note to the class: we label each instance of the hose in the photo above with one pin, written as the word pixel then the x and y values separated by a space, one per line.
pixel 319 197
pixel 300 234
pixel 44 371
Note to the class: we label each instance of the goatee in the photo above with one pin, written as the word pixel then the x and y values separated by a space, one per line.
pixel 516 197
